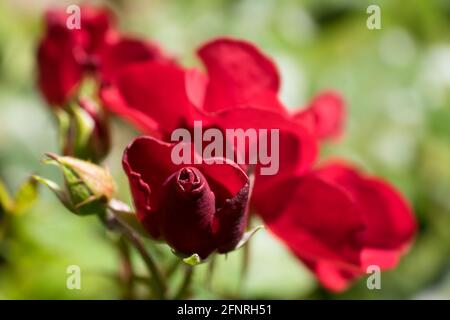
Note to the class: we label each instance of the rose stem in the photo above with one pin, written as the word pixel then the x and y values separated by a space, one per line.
pixel 210 272
pixel 158 282
pixel 126 270
pixel 189 270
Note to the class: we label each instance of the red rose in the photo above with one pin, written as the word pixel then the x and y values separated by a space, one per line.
pixel 65 55
pixel 239 92
pixel 193 208
pixel 331 224
pixel 338 221
pixel 160 98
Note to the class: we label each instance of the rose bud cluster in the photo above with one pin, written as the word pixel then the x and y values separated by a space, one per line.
pixel 193 208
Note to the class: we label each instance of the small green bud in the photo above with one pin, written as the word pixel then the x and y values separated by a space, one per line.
pixel 88 187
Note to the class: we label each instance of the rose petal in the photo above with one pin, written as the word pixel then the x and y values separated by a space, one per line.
pixel 152 94
pixel 315 219
pixel 231 220
pixel 125 51
pixel 324 116
pixel 65 54
pixel 390 221
pixel 239 75
pixel 147 163
pixel 297 148
pixel 373 223
pixel 58 70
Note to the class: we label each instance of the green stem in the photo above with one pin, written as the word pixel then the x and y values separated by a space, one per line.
pixel 172 268
pixel 186 283
pixel 126 271
pixel 210 272
pixel 157 282
pixel 245 264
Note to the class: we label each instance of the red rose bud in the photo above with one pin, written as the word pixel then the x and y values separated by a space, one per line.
pixel 87 187
pixel 196 209
pixel 84 130
pixel 187 211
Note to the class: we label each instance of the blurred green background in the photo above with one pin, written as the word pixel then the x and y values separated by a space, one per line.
pixel 397 85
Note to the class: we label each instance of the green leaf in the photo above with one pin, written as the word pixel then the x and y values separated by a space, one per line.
pixel 6 203
pixel 26 195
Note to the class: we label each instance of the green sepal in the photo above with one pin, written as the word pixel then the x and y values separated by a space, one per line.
pixel 247 236
pixel 124 213
pixel 193 260
pixel 88 187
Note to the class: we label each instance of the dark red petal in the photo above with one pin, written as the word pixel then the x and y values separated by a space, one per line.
pixel 151 159
pixel 231 221
pixel 324 116
pixel 186 210
pixel 147 163
pixel 231 187
pixel 239 75
pixel 153 94
pixel 228 187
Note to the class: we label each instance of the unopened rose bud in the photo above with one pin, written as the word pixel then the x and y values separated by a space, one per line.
pixel 187 210
pixel 87 187
pixel 84 130
pixel 196 209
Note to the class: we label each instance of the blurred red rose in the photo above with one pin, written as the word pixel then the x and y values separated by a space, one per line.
pixel 239 92
pixel 338 221
pixel 65 55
